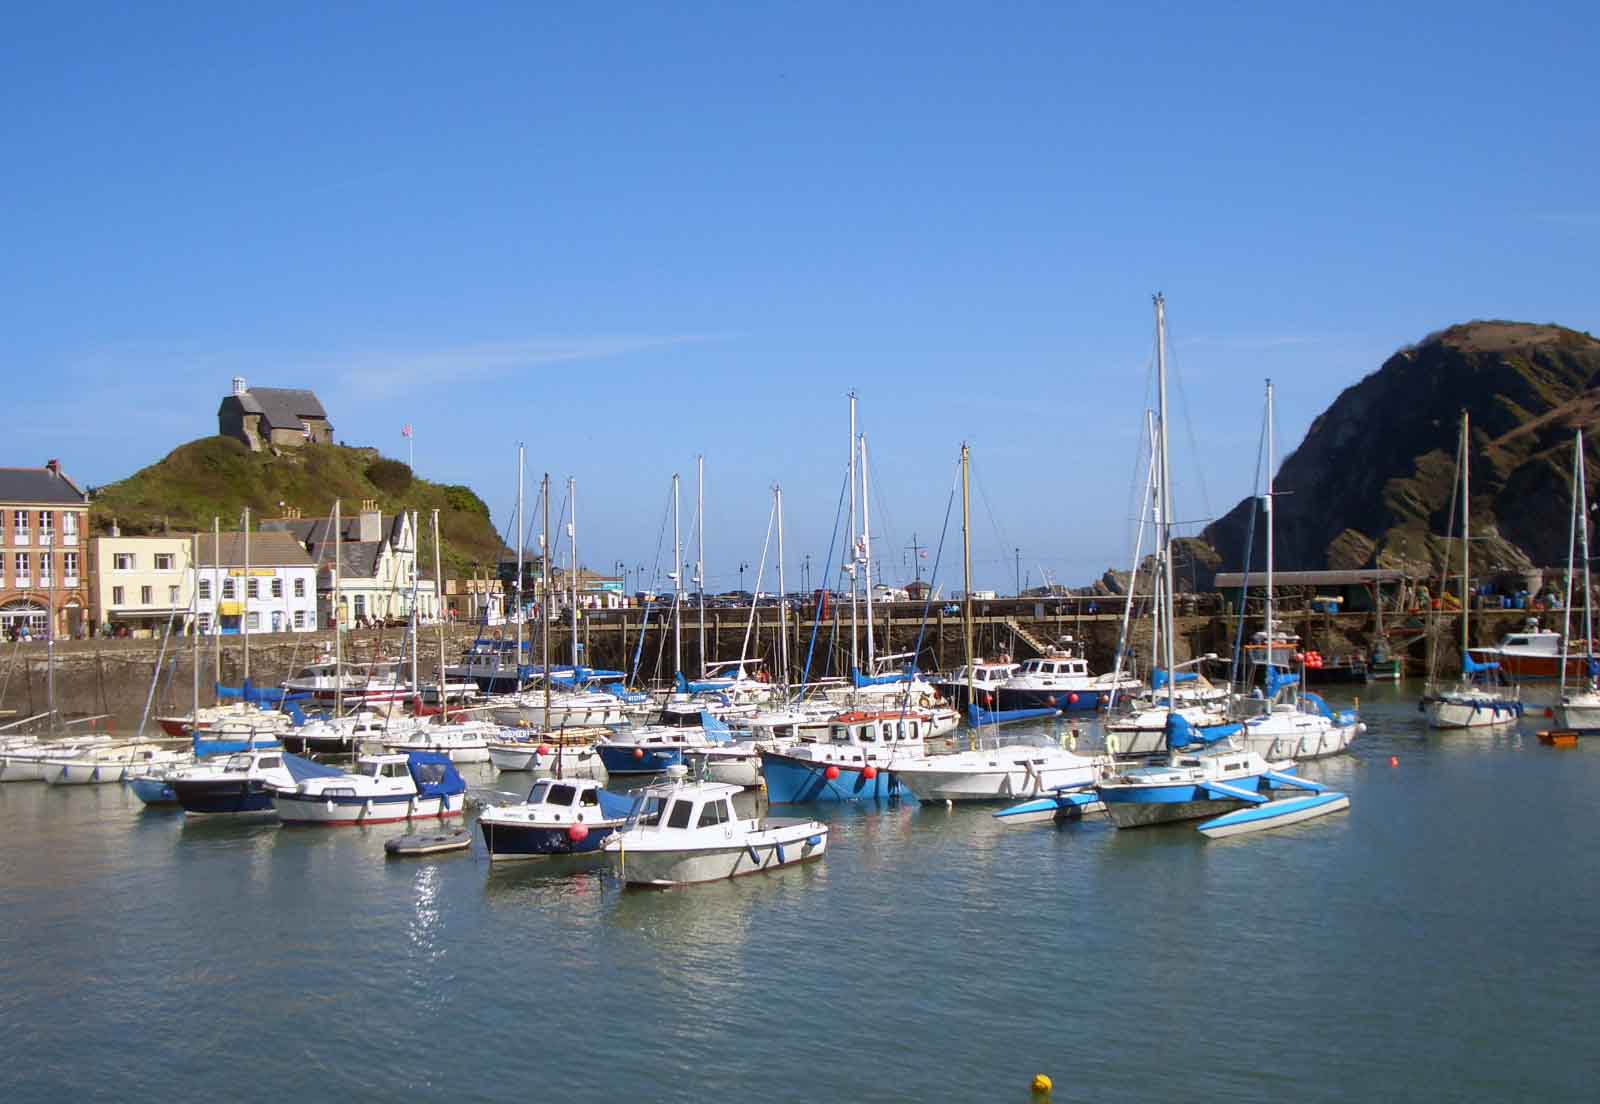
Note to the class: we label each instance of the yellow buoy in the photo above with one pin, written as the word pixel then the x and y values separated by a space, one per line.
pixel 1042 1084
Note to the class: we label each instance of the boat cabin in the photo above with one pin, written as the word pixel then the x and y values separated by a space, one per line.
pixel 1048 667
pixel 877 728
pixel 986 674
pixel 685 807
pixel 261 761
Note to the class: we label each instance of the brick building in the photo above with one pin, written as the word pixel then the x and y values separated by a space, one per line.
pixel 44 531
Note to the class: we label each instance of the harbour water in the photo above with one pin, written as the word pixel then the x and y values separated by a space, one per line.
pixel 1438 942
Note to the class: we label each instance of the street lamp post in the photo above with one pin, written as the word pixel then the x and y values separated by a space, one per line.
pixel 742 565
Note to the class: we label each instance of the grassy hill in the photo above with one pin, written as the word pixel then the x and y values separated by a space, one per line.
pixel 219 477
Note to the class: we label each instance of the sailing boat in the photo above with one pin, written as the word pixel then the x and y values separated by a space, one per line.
pixel 1005 771
pixel 1285 723
pixel 1579 708
pixel 1206 772
pixel 1473 702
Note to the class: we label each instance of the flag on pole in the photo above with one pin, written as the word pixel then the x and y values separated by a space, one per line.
pixel 405 430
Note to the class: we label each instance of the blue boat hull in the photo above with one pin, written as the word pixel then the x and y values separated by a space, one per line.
pixel 620 759
pixel 1141 806
pixel 799 782
pixel 519 841
pixel 1087 700
pixel 153 791
pixel 222 797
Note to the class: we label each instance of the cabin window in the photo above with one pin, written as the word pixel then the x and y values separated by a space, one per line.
pixel 270 761
pixel 428 774
pixel 679 817
pixel 1513 641
pixel 589 797
pixel 913 730
pixel 395 770
pixel 712 813
pixel 866 735
pixel 536 795
pixel 562 795
pixel 238 763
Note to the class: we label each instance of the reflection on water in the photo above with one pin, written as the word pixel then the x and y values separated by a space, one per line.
pixel 1432 942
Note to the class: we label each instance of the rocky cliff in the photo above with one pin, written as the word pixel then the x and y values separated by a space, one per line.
pixel 1371 483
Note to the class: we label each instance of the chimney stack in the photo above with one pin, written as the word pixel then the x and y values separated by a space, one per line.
pixel 238 385
pixel 54 466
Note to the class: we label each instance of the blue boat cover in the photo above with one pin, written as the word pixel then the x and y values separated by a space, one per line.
pixel 861 680
pixel 434 774
pixel 1277 684
pixel 1161 678
pixel 263 696
pixel 1470 666
pixel 301 769
pixel 711 686
pixel 716 729
pixel 1182 734
pixel 977 715
pixel 615 806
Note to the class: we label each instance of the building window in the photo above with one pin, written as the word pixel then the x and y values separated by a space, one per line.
pixel 204 621
pixel 299 619
pixel 122 561
pixel 19 526
pixel 47 526
pixel 69 566
pixel 253 588
pixel 163 561
pixel 45 568
pixel 205 589
pixel 299 588
pixel 147 596
pixel 253 621
pixel 116 596
pixel 172 595
pixel 277 587
pixel 361 606
pixel 69 527
pixel 227 589
pixel 22 569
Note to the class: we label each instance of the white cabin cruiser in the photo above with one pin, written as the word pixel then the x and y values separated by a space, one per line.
pixel 382 788
pixel 1000 773
pixel 686 832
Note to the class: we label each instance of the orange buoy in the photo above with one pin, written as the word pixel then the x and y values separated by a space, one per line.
pixel 1394 760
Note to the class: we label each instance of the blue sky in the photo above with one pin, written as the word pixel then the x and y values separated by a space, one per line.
pixel 629 234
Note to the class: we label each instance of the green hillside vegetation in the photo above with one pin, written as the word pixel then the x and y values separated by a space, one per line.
pixel 218 477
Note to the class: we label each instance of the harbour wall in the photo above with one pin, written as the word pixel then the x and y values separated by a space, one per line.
pixel 114 677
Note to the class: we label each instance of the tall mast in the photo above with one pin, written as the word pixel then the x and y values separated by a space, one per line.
pixel 216 601
pixel 677 584
pixel 194 622
pixel 544 598
pixel 966 573
pixel 1572 562
pixel 1164 532
pixel 855 654
pixel 1583 520
pixel 783 599
pixel 1267 504
pixel 516 587
pixel 700 559
pixel 1466 525
pixel 416 619
pixel 438 598
pixel 866 552
pixel 244 621
pixel 572 545
pixel 338 616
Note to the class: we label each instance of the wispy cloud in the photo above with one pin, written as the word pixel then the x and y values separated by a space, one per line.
pixel 400 371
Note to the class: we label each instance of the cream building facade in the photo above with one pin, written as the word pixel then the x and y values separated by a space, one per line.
pixel 141 583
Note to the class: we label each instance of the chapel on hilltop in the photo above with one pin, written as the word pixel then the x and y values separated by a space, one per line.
pixel 263 417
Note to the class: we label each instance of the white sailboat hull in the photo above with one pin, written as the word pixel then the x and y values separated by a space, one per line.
pixel 711 864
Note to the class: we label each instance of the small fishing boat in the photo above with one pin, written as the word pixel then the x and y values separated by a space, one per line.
pixel 559 817
pixel 1559 737
pixel 242 785
pixel 1002 773
pixel 649 750
pixel 855 763
pixel 383 788
pixel 1258 817
pixel 428 843
pixel 569 752
pixel 462 741
pixel 722 758
pixel 154 790
pixel 680 833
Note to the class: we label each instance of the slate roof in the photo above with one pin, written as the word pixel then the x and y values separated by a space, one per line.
pixel 39 486
pixel 267 549
pixel 313 532
pixel 280 407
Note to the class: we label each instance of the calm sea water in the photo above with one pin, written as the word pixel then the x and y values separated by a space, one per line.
pixel 1440 941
